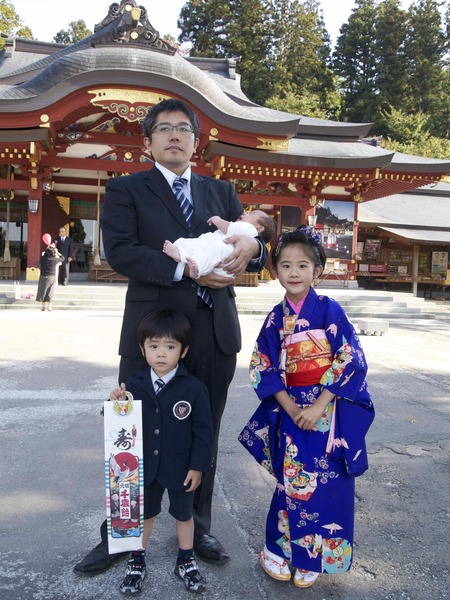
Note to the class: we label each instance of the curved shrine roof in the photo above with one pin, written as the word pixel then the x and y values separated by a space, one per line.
pixel 126 52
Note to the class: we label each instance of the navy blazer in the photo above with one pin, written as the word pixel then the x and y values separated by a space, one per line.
pixel 177 427
pixel 64 247
pixel 140 213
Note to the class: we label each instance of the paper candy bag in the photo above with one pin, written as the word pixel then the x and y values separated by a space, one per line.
pixel 124 474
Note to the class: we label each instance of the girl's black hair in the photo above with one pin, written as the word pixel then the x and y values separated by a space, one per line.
pixel 302 235
pixel 165 323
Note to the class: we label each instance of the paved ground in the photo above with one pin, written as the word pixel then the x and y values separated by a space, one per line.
pixel 57 368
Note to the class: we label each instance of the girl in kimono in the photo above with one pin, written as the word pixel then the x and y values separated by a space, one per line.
pixel 308 369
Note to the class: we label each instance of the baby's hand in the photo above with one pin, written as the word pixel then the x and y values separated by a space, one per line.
pixel 118 393
pixel 213 220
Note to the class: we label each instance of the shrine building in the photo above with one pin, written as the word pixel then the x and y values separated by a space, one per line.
pixel 70 119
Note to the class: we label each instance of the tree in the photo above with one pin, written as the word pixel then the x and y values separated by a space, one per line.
pixel 77 31
pixel 250 38
pixel 354 60
pixel 202 24
pixel 410 133
pixel 11 24
pixel 301 51
pixel 238 29
pixel 307 104
pixel 391 29
pixel 425 50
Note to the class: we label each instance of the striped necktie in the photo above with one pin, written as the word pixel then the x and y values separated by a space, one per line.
pixel 188 211
pixel 160 384
pixel 183 200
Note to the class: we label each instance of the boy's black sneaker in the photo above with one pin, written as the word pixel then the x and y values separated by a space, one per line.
pixel 134 576
pixel 187 570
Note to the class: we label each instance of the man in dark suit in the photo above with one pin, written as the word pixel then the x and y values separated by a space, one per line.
pixel 64 245
pixel 140 212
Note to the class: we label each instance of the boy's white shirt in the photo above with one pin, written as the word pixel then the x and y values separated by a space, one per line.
pixel 167 377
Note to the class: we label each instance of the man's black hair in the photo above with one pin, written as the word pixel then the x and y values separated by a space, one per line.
pixel 169 105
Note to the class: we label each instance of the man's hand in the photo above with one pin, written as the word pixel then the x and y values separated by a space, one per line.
pixel 214 280
pixel 193 480
pixel 245 248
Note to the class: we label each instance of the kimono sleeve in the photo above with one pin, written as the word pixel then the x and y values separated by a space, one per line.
pixel 346 376
pixel 265 374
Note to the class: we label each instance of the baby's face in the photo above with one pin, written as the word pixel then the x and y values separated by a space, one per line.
pixel 251 217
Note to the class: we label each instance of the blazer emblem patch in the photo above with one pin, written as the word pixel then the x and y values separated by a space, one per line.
pixel 182 409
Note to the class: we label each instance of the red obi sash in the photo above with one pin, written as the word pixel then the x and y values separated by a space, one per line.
pixel 306 377
pixel 307 359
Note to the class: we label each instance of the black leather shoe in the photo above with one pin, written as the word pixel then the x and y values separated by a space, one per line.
pixel 97 561
pixel 209 549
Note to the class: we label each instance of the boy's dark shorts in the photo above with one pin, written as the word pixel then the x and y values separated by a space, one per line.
pixel 181 502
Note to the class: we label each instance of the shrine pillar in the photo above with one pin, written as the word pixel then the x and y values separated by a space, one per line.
pixel 34 228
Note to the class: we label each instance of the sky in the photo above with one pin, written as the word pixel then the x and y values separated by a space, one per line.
pixel 47 17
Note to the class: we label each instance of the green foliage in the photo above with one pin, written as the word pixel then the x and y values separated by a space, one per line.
pixel 301 51
pixel 307 104
pixel 390 80
pixel 203 24
pixel 236 29
pixel 387 57
pixel 410 133
pixel 425 49
pixel 429 146
pixel 405 127
pixel 355 62
pixel 282 45
pixel 11 24
pixel 77 31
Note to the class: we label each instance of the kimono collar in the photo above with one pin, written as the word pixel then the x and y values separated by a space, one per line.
pixel 296 307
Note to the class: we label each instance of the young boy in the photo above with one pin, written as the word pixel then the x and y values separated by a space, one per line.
pixel 177 439
pixel 206 252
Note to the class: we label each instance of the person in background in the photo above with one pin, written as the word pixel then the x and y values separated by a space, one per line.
pixel 65 247
pixel 49 262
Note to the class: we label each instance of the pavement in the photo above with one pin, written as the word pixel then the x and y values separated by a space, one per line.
pixel 57 368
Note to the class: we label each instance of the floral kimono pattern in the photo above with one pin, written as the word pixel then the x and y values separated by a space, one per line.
pixel 311 516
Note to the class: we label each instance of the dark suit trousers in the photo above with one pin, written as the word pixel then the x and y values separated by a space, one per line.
pixel 216 370
pixel 63 272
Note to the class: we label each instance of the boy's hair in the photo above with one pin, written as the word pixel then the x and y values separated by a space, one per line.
pixel 169 105
pixel 307 237
pixel 165 323
pixel 270 227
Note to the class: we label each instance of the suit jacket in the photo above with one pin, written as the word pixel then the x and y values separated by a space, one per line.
pixel 64 247
pixel 174 440
pixel 140 213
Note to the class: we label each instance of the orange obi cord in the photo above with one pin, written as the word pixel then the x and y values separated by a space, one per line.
pixel 306 377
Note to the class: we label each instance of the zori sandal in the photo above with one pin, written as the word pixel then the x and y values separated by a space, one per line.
pixel 275 566
pixel 304 579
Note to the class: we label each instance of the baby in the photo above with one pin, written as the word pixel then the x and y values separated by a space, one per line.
pixel 207 252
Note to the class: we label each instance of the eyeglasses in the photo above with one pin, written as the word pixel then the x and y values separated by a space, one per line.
pixel 167 128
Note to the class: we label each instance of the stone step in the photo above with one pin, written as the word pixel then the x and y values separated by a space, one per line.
pixel 258 300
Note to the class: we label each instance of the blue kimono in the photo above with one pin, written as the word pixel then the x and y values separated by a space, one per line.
pixel 311 516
